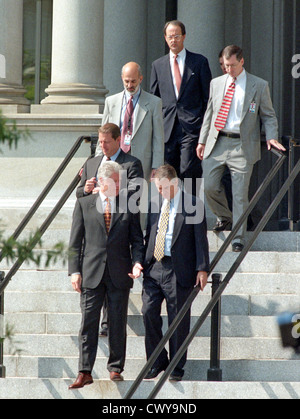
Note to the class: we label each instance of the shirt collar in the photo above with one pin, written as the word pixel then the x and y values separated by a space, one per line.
pixel 181 55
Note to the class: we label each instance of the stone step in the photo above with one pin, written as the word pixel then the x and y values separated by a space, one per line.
pixel 68 324
pixel 252 348
pixel 254 262
pixel 68 302
pixel 59 230
pixel 195 370
pixel 241 283
pixel 35 388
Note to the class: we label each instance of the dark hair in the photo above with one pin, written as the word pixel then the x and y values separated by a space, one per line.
pixel 175 23
pixel 110 128
pixel 231 50
pixel 165 172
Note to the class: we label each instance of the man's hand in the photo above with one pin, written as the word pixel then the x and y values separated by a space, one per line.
pixel 76 282
pixel 200 151
pixel 201 280
pixel 275 144
pixel 136 271
pixel 89 185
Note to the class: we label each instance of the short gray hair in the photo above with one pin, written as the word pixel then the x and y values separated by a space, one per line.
pixel 108 169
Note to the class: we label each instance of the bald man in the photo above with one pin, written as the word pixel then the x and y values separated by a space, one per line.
pixel 139 116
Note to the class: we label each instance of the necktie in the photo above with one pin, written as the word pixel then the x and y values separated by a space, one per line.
pixel 159 249
pixel 224 110
pixel 127 124
pixel 107 215
pixel 177 74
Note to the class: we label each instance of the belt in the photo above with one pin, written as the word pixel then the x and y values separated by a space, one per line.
pixel 229 134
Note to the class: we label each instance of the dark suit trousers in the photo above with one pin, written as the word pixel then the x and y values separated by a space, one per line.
pixel 159 284
pixel 117 305
pixel 180 152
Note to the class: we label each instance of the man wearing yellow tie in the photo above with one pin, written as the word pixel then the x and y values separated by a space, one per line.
pixel 176 261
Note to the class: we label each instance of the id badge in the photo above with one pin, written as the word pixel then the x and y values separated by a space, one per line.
pixel 252 107
pixel 127 139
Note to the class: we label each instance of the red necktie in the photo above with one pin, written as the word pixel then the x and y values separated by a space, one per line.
pixel 224 110
pixel 127 127
pixel 177 74
pixel 107 215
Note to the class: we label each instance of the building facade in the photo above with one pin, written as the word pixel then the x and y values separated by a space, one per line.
pixel 59 59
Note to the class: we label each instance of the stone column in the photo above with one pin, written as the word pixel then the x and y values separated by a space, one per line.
pixel 11 35
pixel 77 54
pixel 205 26
pixel 125 39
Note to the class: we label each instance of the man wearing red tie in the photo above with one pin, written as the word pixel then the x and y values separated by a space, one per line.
pixel 107 251
pixel 181 79
pixel 239 104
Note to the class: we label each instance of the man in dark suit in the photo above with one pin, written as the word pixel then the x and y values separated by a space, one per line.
pixel 181 79
pixel 107 244
pixel 176 260
pixel 109 143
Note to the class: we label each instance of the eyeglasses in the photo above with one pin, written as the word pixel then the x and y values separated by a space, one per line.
pixel 176 37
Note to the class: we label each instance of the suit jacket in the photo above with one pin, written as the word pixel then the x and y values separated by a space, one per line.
pixel 191 104
pixel 93 248
pixel 189 249
pixel 147 142
pixel 257 90
pixel 132 165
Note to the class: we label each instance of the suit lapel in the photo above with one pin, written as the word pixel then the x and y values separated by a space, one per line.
pixel 249 95
pixel 187 73
pixel 96 205
pixel 179 220
pixel 141 111
pixel 116 108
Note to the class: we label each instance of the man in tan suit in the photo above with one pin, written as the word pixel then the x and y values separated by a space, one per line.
pixel 236 143
pixel 142 132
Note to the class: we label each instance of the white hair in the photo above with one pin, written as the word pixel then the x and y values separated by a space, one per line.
pixel 108 169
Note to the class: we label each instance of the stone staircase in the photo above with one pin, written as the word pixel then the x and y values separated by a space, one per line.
pixel 45 314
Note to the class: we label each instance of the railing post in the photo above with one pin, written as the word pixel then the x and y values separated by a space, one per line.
pixel 2 367
pixel 214 373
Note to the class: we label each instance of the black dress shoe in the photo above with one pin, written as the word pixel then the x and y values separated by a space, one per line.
pixel 237 247
pixel 154 372
pixel 175 377
pixel 222 225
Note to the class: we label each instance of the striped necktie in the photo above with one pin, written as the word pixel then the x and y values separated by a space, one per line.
pixel 159 250
pixel 107 215
pixel 224 110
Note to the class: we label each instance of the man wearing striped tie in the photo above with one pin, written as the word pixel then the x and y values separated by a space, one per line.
pixel 239 104
pixel 176 261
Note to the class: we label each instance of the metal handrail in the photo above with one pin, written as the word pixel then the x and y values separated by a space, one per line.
pixel 48 187
pixel 226 280
pixel 39 233
pixel 4 280
pixel 196 290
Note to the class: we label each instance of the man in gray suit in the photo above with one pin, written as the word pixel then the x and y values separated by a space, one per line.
pixel 233 139
pixel 142 133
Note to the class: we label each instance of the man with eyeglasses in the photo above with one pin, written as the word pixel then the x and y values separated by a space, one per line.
pixel 181 79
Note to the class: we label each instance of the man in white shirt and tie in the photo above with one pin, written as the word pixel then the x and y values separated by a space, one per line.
pixel 233 138
pixel 181 79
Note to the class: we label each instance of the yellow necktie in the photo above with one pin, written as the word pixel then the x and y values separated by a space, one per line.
pixel 159 250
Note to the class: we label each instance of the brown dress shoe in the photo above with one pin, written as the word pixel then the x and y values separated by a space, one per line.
pixel 82 380
pixel 115 376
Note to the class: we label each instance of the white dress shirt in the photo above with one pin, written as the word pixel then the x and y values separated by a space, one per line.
pixel 236 108
pixel 181 63
pixel 135 100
